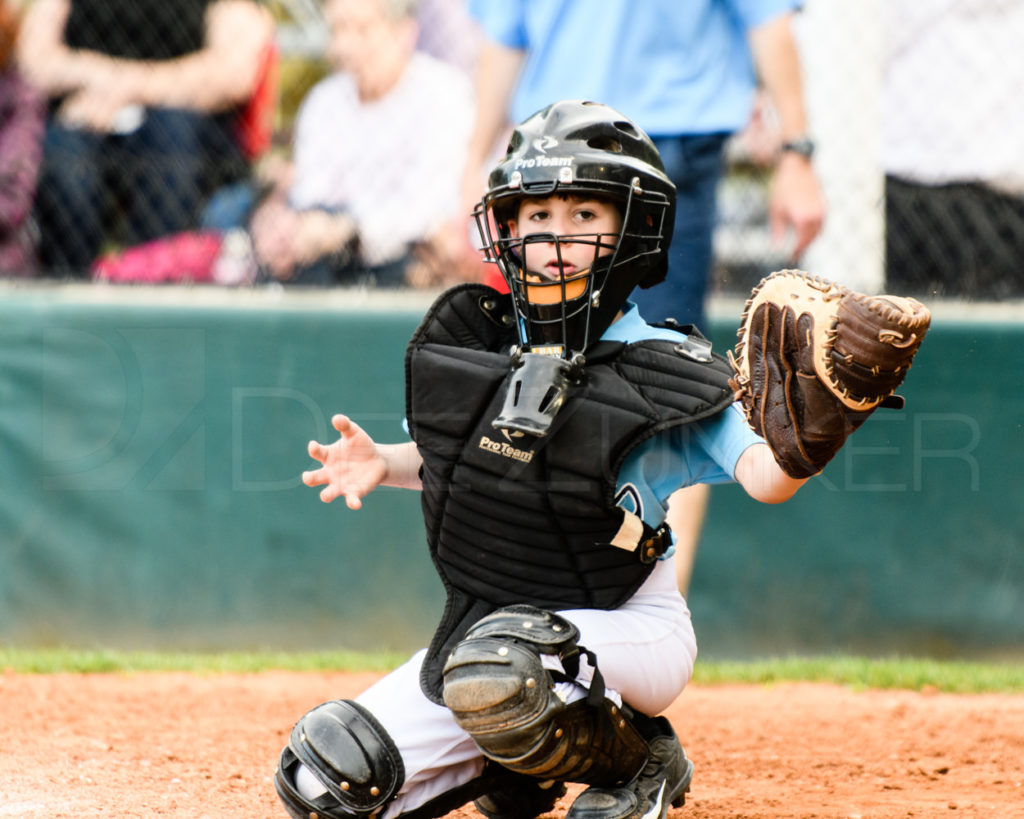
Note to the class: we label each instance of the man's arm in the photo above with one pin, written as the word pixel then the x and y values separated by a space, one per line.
pixel 285 238
pixel 796 198
pixel 46 61
pixel 223 73
pixel 497 73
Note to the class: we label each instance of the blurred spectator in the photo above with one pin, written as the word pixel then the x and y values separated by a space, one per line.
pixel 448 32
pixel 21 140
pixel 145 97
pixel 953 147
pixel 377 149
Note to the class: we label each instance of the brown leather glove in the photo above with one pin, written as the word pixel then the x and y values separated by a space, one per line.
pixel 813 360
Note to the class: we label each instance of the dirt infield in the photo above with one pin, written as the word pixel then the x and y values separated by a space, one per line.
pixel 181 745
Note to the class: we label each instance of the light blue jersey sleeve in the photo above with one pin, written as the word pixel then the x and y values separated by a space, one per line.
pixel 702 452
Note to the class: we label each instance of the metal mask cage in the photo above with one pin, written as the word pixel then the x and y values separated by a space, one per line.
pixel 548 322
pixel 568 321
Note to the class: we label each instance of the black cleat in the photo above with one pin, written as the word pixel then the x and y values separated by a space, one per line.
pixel 523 799
pixel 664 781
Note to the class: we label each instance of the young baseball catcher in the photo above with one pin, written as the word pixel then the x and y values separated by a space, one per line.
pixel 548 428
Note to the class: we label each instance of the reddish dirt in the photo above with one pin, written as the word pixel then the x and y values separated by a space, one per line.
pixel 201 746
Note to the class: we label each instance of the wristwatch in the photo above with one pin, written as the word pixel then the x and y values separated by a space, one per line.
pixel 803 145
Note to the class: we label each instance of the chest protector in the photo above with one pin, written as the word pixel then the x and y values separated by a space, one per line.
pixel 513 518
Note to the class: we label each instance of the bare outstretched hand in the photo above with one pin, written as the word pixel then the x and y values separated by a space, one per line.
pixel 350 466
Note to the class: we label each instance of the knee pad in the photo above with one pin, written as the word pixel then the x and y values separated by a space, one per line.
pixel 500 694
pixel 350 753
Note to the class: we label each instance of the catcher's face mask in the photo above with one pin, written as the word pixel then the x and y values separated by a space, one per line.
pixel 562 245
pixel 577 214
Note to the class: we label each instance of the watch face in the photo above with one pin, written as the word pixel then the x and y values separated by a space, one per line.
pixel 803 146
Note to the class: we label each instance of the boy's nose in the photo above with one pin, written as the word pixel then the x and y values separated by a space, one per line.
pixel 561 231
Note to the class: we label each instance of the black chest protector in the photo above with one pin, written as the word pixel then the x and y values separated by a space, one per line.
pixel 513 518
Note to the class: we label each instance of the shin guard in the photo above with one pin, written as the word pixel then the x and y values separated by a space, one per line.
pixel 500 694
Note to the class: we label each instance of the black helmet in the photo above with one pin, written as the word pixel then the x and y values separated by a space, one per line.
pixel 581 148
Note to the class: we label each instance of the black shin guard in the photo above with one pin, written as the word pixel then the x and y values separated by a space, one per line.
pixel 500 693
pixel 352 756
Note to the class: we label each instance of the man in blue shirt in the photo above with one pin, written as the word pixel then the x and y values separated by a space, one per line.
pixel 686 73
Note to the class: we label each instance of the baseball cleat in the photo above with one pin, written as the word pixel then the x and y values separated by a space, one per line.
pixel 524 799
pixel 664 781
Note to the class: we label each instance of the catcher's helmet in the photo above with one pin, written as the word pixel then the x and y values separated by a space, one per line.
pixel 582 149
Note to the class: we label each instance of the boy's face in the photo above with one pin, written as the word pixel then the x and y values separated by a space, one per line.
pixel 593 220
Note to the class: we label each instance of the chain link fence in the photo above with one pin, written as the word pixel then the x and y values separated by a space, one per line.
pixel 912 104
pixel 920 151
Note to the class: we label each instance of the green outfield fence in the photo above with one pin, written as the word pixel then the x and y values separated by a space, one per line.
pixel 151 443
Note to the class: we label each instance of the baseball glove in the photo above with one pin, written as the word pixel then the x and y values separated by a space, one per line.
pixel 813 360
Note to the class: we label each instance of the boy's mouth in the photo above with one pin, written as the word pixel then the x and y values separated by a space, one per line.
pixel 552 271
pixel 565 269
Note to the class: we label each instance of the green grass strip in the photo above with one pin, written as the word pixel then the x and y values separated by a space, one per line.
pixel 854 672
pixel 913 674
pixel 102 661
